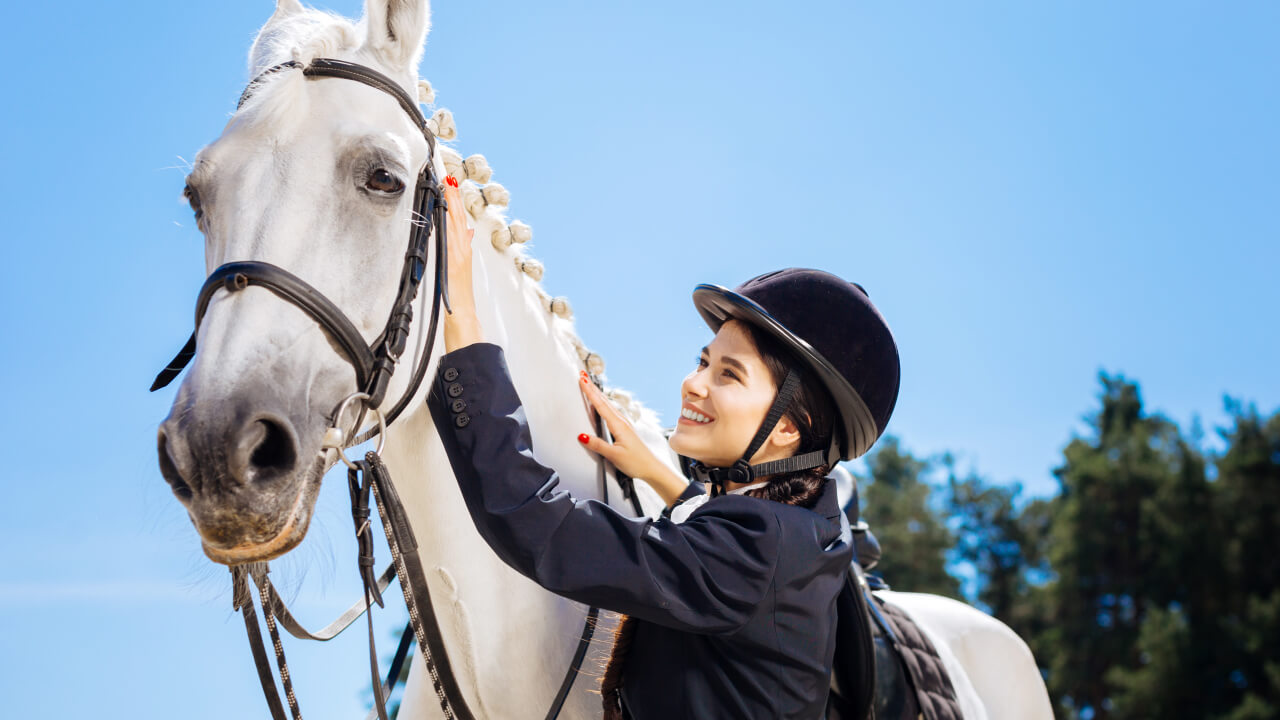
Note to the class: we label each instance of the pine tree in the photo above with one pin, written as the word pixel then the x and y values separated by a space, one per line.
pixel 1006 545
pixel 1108 544
pixel 913 538
pixel 1249 500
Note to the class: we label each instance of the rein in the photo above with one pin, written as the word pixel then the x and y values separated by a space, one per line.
pixel 367 478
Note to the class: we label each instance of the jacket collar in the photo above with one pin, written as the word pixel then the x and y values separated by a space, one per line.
pixel 828 505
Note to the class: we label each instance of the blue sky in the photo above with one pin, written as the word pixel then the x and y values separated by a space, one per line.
pixel 1031 192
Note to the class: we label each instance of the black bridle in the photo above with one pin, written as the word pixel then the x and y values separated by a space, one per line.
pixel 373 365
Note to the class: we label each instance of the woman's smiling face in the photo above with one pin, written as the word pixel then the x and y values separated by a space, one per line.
pixel 724 400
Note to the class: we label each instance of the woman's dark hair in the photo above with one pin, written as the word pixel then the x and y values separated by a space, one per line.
pixel 814 413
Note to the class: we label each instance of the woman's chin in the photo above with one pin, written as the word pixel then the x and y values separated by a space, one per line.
pixel 695 452
pixel 680 446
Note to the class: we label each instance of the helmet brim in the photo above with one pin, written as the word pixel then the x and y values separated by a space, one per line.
pixel 717 305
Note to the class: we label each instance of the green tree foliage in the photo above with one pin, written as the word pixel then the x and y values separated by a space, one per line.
pixel 1124 553
pixel 1249 502
pixel 1005 542
pixel 1148 587
pixel 897 505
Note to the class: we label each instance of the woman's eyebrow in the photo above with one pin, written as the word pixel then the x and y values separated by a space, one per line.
pixel 735 363
pixel 730 361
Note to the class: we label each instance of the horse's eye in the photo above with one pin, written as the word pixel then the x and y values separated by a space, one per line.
pixel 384 182
pixel 193 198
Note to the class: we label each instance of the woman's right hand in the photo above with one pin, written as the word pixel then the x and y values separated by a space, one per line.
pixel 628 452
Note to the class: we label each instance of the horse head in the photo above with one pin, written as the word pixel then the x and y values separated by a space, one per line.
pixel 315 177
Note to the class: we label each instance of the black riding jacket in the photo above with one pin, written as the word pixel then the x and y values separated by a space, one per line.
pixel 737 603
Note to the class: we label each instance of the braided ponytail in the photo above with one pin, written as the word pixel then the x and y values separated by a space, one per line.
pixel 611 683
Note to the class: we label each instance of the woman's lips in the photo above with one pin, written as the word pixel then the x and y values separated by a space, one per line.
pixel 690 415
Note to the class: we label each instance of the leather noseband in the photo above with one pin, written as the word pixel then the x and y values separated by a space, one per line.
pixel 373 364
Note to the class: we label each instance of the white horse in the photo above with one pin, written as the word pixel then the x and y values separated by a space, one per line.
pixel 304 177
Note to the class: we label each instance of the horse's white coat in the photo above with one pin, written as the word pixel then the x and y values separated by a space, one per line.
pixel 993 671
pixel 510 641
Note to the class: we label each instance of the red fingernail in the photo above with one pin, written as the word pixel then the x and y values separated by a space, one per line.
pixel 451 180
pixel 584 438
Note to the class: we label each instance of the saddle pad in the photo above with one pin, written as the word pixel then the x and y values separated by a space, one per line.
pixel 934 692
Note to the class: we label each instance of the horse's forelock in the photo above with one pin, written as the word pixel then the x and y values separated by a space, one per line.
pixel 299 36
pixel 302 36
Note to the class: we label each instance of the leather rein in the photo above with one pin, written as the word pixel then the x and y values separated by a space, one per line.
pixel 367 478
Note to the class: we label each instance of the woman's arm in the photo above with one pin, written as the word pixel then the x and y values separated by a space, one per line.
pixel 461 326
pixel 707 575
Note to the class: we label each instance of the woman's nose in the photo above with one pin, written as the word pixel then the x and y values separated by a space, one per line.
pixel 693 386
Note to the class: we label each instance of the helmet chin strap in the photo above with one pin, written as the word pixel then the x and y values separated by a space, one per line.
pixel 743 472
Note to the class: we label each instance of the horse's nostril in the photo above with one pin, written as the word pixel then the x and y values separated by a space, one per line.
pixel 276 451
pixel 169 470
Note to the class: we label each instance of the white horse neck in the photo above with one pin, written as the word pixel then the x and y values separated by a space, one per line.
pixel 510 642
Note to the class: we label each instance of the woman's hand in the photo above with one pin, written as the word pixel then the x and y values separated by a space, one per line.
pixel 461 327
pixel 628 452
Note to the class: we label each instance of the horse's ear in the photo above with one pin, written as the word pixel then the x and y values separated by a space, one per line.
pixel 286 7
pixel 397 29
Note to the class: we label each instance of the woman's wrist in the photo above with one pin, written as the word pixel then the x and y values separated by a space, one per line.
pixel 462 328
pixel 668 484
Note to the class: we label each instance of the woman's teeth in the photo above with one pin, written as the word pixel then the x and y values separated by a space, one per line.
pixel 694 415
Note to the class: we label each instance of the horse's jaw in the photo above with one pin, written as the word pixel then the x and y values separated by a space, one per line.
pixel 292 530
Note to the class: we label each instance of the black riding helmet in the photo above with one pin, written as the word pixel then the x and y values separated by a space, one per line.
pixel 829 326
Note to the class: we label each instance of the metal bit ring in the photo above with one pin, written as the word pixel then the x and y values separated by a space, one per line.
pixel 336 439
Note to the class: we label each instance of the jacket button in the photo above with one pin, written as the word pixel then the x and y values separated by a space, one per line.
pixel 462 420
pixel 459 406
pixel 455 390
pixel 451 374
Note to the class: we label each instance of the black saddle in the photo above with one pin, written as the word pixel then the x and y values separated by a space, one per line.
pixel 875 671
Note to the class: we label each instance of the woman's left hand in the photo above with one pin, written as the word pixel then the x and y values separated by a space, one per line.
pixel 461 327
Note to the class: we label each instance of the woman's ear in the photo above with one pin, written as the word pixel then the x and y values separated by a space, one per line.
pixel 785 437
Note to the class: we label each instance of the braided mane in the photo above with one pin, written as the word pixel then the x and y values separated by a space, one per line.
pixel 307 34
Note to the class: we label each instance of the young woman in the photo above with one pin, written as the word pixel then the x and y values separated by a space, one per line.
pixel 730 601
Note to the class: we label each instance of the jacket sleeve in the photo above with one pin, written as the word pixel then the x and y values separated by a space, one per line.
pixel 707 575
pixel 691 491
